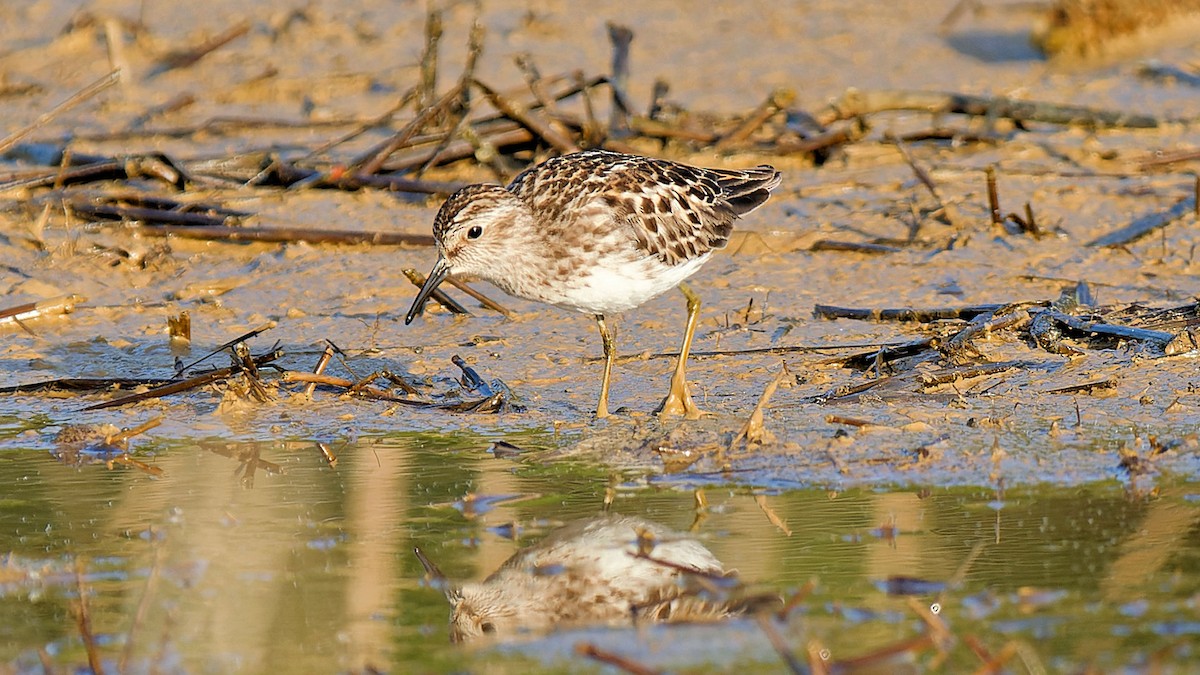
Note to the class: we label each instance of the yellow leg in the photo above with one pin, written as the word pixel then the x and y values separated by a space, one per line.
pixel 679 399
pixel 609 354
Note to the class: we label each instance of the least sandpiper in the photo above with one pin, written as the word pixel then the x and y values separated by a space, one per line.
pixel 608 570
pixel 597 232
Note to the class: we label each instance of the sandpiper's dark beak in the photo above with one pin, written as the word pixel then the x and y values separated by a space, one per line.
pixel 437 275
pixel 434 576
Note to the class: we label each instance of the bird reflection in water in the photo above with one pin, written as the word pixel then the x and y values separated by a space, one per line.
pixel 612 570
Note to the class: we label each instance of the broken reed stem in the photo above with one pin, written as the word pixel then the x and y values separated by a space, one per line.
pixel 71 101
pixel 618 120
pixel 993 197
pixel 429 60
pixel 322 362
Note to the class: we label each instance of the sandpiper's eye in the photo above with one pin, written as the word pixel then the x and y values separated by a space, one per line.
pixel 475 232
pixel 488 627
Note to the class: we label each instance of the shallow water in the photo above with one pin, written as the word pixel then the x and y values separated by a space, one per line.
pixel 304 566
pixel 255 552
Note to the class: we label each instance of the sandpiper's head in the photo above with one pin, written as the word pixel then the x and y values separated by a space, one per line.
pixel 479 610
pixel 473 231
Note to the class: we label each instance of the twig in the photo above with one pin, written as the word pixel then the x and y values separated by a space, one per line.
pixel 777 101
pixel 904 314
pixel 761 500
pixel 521 114
pixel 351 386
pixel 853 246
pixel 378 121
pixel 948 375
pixel 72 101
pixel 925 179
pixel 981 324
pixel 371 161
pixel 150 215
pixel 484 300
pixel 1160 338
pixel 187 57
pixel 36 310
pixel 437 295
pixel 624 663
pixel 183 385
pixel 239 339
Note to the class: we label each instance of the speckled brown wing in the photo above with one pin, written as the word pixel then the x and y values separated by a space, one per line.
pixel 674 212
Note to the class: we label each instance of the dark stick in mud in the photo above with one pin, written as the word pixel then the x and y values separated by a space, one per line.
pixel 853 247
pixel 1144 225
pixel 993 198
pixel 903 314
pixel 284 235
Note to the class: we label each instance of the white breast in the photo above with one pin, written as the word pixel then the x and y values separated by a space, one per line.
pixel 612 288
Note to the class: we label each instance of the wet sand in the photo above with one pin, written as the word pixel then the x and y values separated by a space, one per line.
pixel 326 62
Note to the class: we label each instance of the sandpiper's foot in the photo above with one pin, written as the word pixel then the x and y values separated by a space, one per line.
pixel 679 401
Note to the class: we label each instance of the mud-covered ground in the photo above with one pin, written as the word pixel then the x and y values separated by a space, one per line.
pixel 315 62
